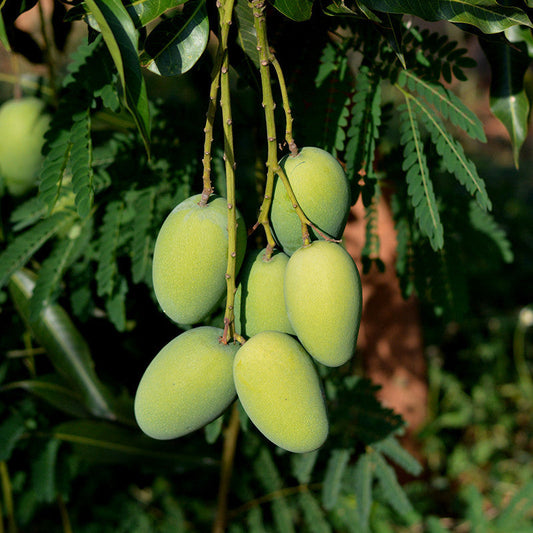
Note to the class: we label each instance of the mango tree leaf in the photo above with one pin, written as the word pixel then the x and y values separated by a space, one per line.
pixel 143 12
pixel 55 390
pixel 121 38
pixel 508 99
pixel 105 442
pixel 3 35
pixel 486 15
pixel 297 10
pixel 175 44
pixel 64 344
pixel 246 34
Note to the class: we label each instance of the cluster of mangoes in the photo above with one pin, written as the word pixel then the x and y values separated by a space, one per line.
pixel 298 306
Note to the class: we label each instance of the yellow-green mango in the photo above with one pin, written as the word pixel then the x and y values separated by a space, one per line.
pixel 190 258
pixel 322 190
pixel 278 387
pixel 23 123
pixel 259 300
pixel 323 300
pixel 187 384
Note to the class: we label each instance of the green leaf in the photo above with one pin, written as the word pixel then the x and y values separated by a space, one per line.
pixel 21 249
pixel 302 465
pixel 392 490
pixel 64 344
pixel 143 12
pixel 297 10
pixel 246 34
pixel 420 187
pixel 397 453
pixel 363 489
pixel 520 504
pixel 3 35
pixel 486 15
pixel 314 515
pixel 104 442
pixel 44 472
pixel 121 38
pixel 55 390
pixel 335 469
pixel 175 45
pixel 11 429
pixel 141 238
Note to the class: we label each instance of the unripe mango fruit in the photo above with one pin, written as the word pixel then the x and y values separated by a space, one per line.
pixel 190 258
pixel 259 300
pixel 187 384
pixel 279 389
pixel 23 123
pixel 323 300
pixel 322 191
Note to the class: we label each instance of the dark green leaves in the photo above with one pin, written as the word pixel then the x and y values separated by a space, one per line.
pixel 121 38
pixel 143 12
pixel 176 44
pixel 297 10
pixel 508 99
pixel 488 15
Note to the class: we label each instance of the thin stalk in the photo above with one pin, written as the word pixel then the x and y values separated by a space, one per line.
pixel 226 469
pixel 65 519
pixel 7 498
pixel 226 10
pixel 208 129
pixel 272 164
pixel 48 51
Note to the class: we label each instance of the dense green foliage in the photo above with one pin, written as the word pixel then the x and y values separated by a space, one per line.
pixel 368 82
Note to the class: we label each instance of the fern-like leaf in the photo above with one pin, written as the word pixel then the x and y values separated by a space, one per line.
pixel 420 187
pixel 446 103
pixel 43 481
pixel 27 214
pixel 140 248
pixel 272 481
pixel 107 248
pixel 485 223
pixel 370 252
pixel 392 490
pixel 22 248
pixel 116 305
pixel 364 126
pixel 302 465
pixel 335 470
pixel 397 453
pixel 254 521
pixel 363 475
pixel 54 266
pixel 314 516
pixel 453 156
pixel 81 161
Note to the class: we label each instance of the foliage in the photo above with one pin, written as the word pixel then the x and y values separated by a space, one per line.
pixel 75 262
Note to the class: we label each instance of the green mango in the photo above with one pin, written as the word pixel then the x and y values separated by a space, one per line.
pixel 278 387
pixel 323 192
pixel 190 258
pixel 23 123
pixel 188 384
pixel 323 298
pixel 259 300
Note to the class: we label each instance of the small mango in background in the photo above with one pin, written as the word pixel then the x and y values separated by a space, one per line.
pixel 279 388
pixel 323 192
pixel 323 298
pixel 190 258
pixel 188 384
pixel 259 300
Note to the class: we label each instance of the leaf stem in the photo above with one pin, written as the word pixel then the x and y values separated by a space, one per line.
pixel 7 498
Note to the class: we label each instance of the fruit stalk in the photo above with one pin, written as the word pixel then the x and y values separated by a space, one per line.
pixel 273 167
pixel 210 118
pixel 226 10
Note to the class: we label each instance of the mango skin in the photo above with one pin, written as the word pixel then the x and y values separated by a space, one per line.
pixel 188 384
pixel 279 389
pixel 23 123
pixel 323 298
pixel 190 258
pixel 259 300
pixel 323 192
